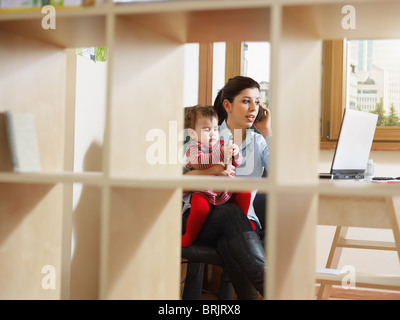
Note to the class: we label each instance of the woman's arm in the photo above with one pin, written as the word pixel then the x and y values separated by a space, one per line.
pixel 215 170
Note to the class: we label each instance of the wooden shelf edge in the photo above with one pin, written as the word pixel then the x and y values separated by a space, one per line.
pixel 36 13
pixel 159 7
pixel 133 8
pixel 186 182
pixel 52 177
pixel 264 185
pixel 322 188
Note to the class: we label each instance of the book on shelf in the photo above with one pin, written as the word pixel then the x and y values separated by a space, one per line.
pixel 23 142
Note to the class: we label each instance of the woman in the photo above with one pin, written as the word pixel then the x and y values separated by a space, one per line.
pixel 237 105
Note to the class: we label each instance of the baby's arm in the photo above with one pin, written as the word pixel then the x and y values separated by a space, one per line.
pixel 237 157
pixel 200 160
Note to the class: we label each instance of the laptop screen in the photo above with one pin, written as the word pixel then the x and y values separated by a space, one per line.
pixel 354 144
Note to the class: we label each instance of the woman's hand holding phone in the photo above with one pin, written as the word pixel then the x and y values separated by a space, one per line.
pixel 263 121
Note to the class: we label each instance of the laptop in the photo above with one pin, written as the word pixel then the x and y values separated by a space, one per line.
pixel 353 146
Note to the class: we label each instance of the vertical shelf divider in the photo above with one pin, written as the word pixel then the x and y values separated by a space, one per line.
pixel 68 167
pixel 105 188
pixel 294 158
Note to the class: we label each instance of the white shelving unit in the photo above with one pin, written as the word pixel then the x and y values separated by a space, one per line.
pixel 140 203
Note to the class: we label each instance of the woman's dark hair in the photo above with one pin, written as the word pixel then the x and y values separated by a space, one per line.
pixel 191 114
pixel 231 89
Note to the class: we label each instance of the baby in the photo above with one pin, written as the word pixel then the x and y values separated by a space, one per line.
pixel 204 151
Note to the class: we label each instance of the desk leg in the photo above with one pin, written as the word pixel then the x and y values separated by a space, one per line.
pixel 393 204
pixel 333 260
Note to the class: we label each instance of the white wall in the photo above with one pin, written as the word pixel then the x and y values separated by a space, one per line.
pixel 90 106
pixel 387 164
pixel 89 112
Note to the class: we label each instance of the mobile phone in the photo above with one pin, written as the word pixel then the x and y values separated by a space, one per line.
pixel 260 114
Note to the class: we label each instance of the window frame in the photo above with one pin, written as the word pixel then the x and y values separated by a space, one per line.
pixel 233 57
pixel 205 73
pixel 333 101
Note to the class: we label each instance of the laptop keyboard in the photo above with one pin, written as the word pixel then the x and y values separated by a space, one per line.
pixel 385 178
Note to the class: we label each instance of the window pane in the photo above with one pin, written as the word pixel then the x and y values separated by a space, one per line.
pixel 218 68
pixel 373 79
pixel 256 64
pixel 191 75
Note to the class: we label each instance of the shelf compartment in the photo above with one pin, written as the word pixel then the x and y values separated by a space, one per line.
pixel 146 102
pixel 30 235
pixel 144 243
pixel 33 80
pixel 83 259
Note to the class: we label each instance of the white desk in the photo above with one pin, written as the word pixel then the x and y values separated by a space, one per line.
pixel 368 211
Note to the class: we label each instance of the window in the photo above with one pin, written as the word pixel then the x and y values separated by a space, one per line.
pixel 219 61
pixel 376 76
pixel 191 75
pixel 250 59
pixel 204 72
pixel 363 75
pixel 218 78
pixel 255 63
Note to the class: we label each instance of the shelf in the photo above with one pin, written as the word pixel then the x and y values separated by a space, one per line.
pixel 91 178
pixel 324 20
pixel 189 5
pixel 137 8
pixel 200 21
pixel 326 188
pixel 334 188
pixel 36 13
pixel 74 27
pixel 184 22
pixel 186 182
pixel 186 26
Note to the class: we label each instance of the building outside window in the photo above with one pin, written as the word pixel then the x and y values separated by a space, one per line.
pixel 373 78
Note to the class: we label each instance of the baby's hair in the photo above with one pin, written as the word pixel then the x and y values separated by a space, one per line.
pixel 191 114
